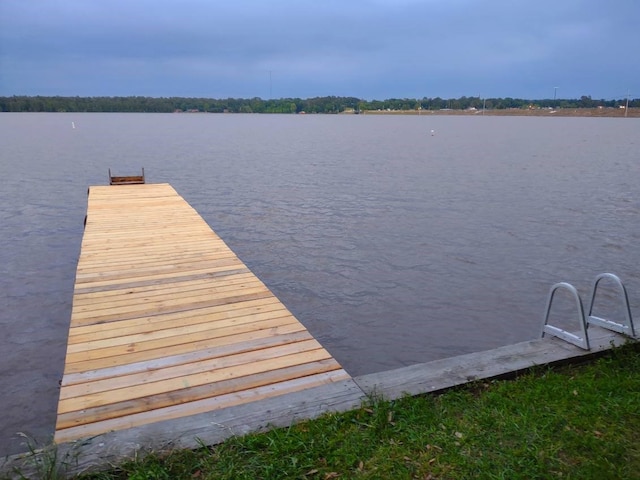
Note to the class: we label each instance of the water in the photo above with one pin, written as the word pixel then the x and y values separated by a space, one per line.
pixel 392 245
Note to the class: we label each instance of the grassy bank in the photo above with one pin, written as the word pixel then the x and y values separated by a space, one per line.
pixel 574 422
pixel 579 422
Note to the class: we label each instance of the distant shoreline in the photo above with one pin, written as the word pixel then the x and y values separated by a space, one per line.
pixel 511 112
pixel 518 112
pixel 583 107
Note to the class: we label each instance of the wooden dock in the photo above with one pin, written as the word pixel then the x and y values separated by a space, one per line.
pixel 168 323
pixel 175 343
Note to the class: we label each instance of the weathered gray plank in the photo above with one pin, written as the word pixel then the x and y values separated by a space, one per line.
pixel 450 372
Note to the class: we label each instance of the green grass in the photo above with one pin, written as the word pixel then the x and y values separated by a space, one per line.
pixel 574 422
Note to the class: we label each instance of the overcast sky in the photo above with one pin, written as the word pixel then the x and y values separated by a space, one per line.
pixel 370 49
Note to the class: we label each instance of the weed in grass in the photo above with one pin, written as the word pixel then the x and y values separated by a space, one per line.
pixel 43 462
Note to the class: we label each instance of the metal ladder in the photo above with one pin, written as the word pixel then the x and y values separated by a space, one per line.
pixel 582 339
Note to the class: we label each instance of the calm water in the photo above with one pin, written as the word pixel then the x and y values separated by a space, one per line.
pixel 392 245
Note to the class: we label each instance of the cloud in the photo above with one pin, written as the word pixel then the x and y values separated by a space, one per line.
pixel 367 48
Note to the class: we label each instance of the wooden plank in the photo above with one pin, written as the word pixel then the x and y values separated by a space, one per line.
pixel 133 272
pixel 122 356
pixel 185 370
pixel 181 281
pixel 145 258
pixel 187 357
pixel 180 284
pixel 187 276
pixel 135 278
pixel 66 405
pixel 173 255
pixel 450 372
pixel 159 289
pixel 222 336
pixel 192 394
pixel 212 302
pixel 213 313
pixel 167 304
pixel 255 396
pixel 152 239
pixel 248 323
pixel 148 239
pixel 165 293
pixel 221 315
pixel 149 247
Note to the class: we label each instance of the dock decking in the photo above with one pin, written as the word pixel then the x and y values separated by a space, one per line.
pixel 168 323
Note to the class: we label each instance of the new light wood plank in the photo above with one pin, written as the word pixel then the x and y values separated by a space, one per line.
pixel 222 336
pixel 201 406
pixel 106 286
pixel 218 316
pixel 250 323
pixel 167 321
pixel 66 405
pixel 185 370
pixel 213 313
pixel 182 358
pixel 210 302
pixel 182 294
pixel 160 288
pixel 136 277
pixel 192 394
pixel 281 334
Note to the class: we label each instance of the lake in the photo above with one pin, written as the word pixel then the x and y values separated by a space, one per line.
pixel 394 239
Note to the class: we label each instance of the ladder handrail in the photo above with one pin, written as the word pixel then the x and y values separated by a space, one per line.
pixel 582 342
pixel 623 328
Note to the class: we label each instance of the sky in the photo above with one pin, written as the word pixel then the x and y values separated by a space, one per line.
pixel 369 49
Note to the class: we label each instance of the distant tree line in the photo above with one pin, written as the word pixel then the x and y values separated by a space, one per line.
pixel 285 105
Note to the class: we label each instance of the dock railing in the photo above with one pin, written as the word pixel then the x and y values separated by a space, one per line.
pixel 126 180
pixel 582 339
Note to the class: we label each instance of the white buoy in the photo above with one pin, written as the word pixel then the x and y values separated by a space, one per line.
pixel 73 125
pixel 433 132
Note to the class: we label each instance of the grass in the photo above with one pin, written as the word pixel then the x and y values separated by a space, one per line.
pixel 46 461
pixel 574 422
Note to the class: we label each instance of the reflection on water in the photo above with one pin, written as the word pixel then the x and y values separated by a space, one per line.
pixel 393 246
